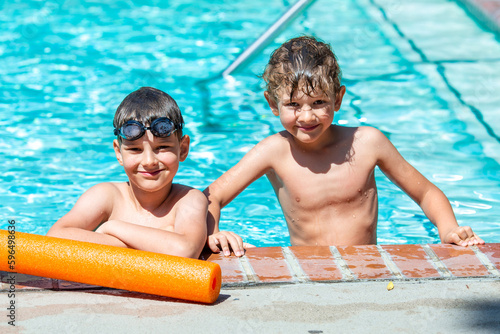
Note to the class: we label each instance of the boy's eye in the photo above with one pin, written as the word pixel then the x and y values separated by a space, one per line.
pixel 133 149
pixel 291 104
pixel 319 102
pixel 164 147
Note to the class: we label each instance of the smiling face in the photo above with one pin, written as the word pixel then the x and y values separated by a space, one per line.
pixel 305 117
pixel 151 162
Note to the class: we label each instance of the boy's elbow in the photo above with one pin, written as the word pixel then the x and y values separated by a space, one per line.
pixel 213 200
pixel 188 250
pixel 56 232
pixel 62 233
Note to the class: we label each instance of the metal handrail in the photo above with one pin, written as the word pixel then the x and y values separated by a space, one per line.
pixel 267 36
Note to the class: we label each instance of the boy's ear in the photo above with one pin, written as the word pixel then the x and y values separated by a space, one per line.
pixel 339 97
pixel 184 147
pixel 272 103
pixel 116 147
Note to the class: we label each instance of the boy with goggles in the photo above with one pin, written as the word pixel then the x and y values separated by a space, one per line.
pixel 323 174
pixel 149 212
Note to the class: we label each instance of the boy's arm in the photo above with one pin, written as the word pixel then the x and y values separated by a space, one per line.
pixel 91 209
pixel 430 198
pixel 187 239
pixel 223 190
pixel 223 239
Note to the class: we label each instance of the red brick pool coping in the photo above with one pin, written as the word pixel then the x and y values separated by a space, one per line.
pixel 359 263
pixel 288 265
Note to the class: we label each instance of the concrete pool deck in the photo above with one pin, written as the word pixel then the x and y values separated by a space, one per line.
pixel 437 288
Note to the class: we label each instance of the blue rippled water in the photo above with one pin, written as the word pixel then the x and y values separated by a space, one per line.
pixel 423 72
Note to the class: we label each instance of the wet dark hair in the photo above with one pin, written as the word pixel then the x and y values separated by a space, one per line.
pixel 303 63
pixel 145 105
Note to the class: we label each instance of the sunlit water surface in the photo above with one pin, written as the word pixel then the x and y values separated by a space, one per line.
pixel 424 73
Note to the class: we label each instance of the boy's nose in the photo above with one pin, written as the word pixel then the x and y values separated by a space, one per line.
pixel 149 157
pixel 306 114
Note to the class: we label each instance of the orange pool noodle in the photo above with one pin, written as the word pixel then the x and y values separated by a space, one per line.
pixel 110 266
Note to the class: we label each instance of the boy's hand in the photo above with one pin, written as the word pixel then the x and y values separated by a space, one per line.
pixel 227 240
pixel 463 236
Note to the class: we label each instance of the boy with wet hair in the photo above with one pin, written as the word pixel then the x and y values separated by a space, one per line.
pixel 149 212
pixel 322 173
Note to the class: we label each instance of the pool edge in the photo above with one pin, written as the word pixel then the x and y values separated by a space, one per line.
pixel 266 266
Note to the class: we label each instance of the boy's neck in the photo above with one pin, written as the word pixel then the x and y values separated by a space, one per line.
pixel 149 201
pixel 326 140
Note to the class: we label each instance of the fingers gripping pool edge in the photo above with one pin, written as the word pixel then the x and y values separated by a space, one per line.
pixel 113 267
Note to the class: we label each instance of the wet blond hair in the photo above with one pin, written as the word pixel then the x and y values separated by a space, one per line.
pixel 303 63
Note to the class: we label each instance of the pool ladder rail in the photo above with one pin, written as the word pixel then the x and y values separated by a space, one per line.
pixel 267 37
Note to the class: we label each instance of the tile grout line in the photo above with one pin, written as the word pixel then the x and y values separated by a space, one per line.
pixel 436 261
pixel 485 261
pixel 250 274
pixel 294 266
pixel 243 272
pixel 347 274
pixel 389 263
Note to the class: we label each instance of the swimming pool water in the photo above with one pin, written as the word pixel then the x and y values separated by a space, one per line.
pixel 423 72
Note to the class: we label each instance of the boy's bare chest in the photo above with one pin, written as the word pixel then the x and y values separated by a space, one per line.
pixel 130 214
pixel 326 185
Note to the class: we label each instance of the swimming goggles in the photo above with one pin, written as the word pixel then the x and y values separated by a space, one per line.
pixel 132 130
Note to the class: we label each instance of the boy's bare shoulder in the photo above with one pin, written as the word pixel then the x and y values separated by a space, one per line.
pixel 98 203
pixel 183 192
pixel 358 131
pixel 371 144
pixel 370 131
pixel 366 135
pixel 374 138
pixel 182 189
pixel 107 188
pixel 269 150
pixel 106 195
pixel 274 143
pixel 364 141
